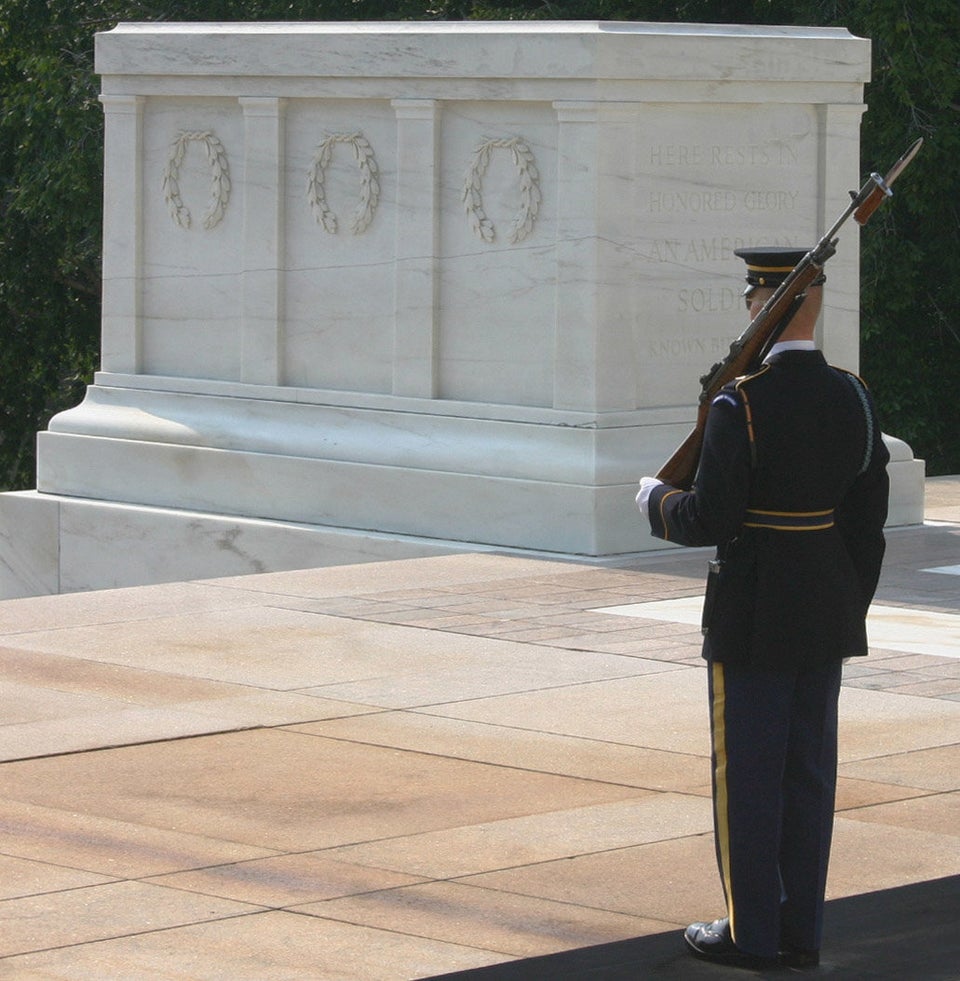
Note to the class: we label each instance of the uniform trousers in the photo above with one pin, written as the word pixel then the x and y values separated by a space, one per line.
pixel 774 750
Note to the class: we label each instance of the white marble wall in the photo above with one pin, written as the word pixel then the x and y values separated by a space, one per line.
pixel 450 281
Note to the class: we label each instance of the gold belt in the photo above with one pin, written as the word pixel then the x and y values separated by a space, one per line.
pixel 789 520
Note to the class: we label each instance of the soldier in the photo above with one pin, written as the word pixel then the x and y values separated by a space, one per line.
pixel 792 489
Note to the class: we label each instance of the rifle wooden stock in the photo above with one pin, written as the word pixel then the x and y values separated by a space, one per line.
pixel 680 469
pixel 748 350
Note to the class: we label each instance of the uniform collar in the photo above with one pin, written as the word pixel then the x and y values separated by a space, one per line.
pixel 782 346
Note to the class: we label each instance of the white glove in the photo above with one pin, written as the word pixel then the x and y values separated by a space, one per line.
pixel 643 495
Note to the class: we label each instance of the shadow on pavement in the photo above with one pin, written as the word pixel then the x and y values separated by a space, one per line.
pixel 909 933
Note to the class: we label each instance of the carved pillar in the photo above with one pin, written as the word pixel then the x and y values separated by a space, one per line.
pixel 415 332
pixel 262 241
pixel 122 232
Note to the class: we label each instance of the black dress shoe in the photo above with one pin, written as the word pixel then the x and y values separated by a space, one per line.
pixel 712 942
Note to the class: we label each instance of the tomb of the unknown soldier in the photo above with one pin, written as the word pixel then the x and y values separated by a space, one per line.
pixel 388 290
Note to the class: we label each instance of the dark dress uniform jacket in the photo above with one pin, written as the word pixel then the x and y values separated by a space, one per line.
pixel 792 487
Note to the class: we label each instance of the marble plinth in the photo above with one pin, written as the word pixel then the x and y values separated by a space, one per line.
pixel 449 282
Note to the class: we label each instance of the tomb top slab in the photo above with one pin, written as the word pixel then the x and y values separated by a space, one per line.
pixel 592 51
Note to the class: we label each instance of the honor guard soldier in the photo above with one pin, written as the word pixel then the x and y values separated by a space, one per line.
pixel 792 489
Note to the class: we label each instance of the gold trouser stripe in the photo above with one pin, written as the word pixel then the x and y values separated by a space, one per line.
pixel 720 791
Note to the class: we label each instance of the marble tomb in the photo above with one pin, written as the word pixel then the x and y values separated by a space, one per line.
pixel 377 290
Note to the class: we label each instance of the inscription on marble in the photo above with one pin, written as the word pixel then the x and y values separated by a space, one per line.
pixel 675 347
pixel 701 202
pixel 696 202
pixel 723 155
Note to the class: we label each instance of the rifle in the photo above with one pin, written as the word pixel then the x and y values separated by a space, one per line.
pixel 749 349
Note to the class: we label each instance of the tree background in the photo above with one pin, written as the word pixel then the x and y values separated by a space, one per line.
pixel 51 140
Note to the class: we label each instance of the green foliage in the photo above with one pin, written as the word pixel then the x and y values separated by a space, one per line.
pixel 49 223
pixel 50 188
pixel 911 251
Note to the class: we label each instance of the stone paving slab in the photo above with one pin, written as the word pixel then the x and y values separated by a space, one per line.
pixel 449 766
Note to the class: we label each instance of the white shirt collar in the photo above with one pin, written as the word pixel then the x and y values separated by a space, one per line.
pixel 790 346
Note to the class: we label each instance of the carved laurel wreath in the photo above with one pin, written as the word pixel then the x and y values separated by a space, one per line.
pixel 219 179
pixel 369 183
pixel 529 189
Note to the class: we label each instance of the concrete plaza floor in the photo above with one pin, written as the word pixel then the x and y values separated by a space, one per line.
pixel 455 766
